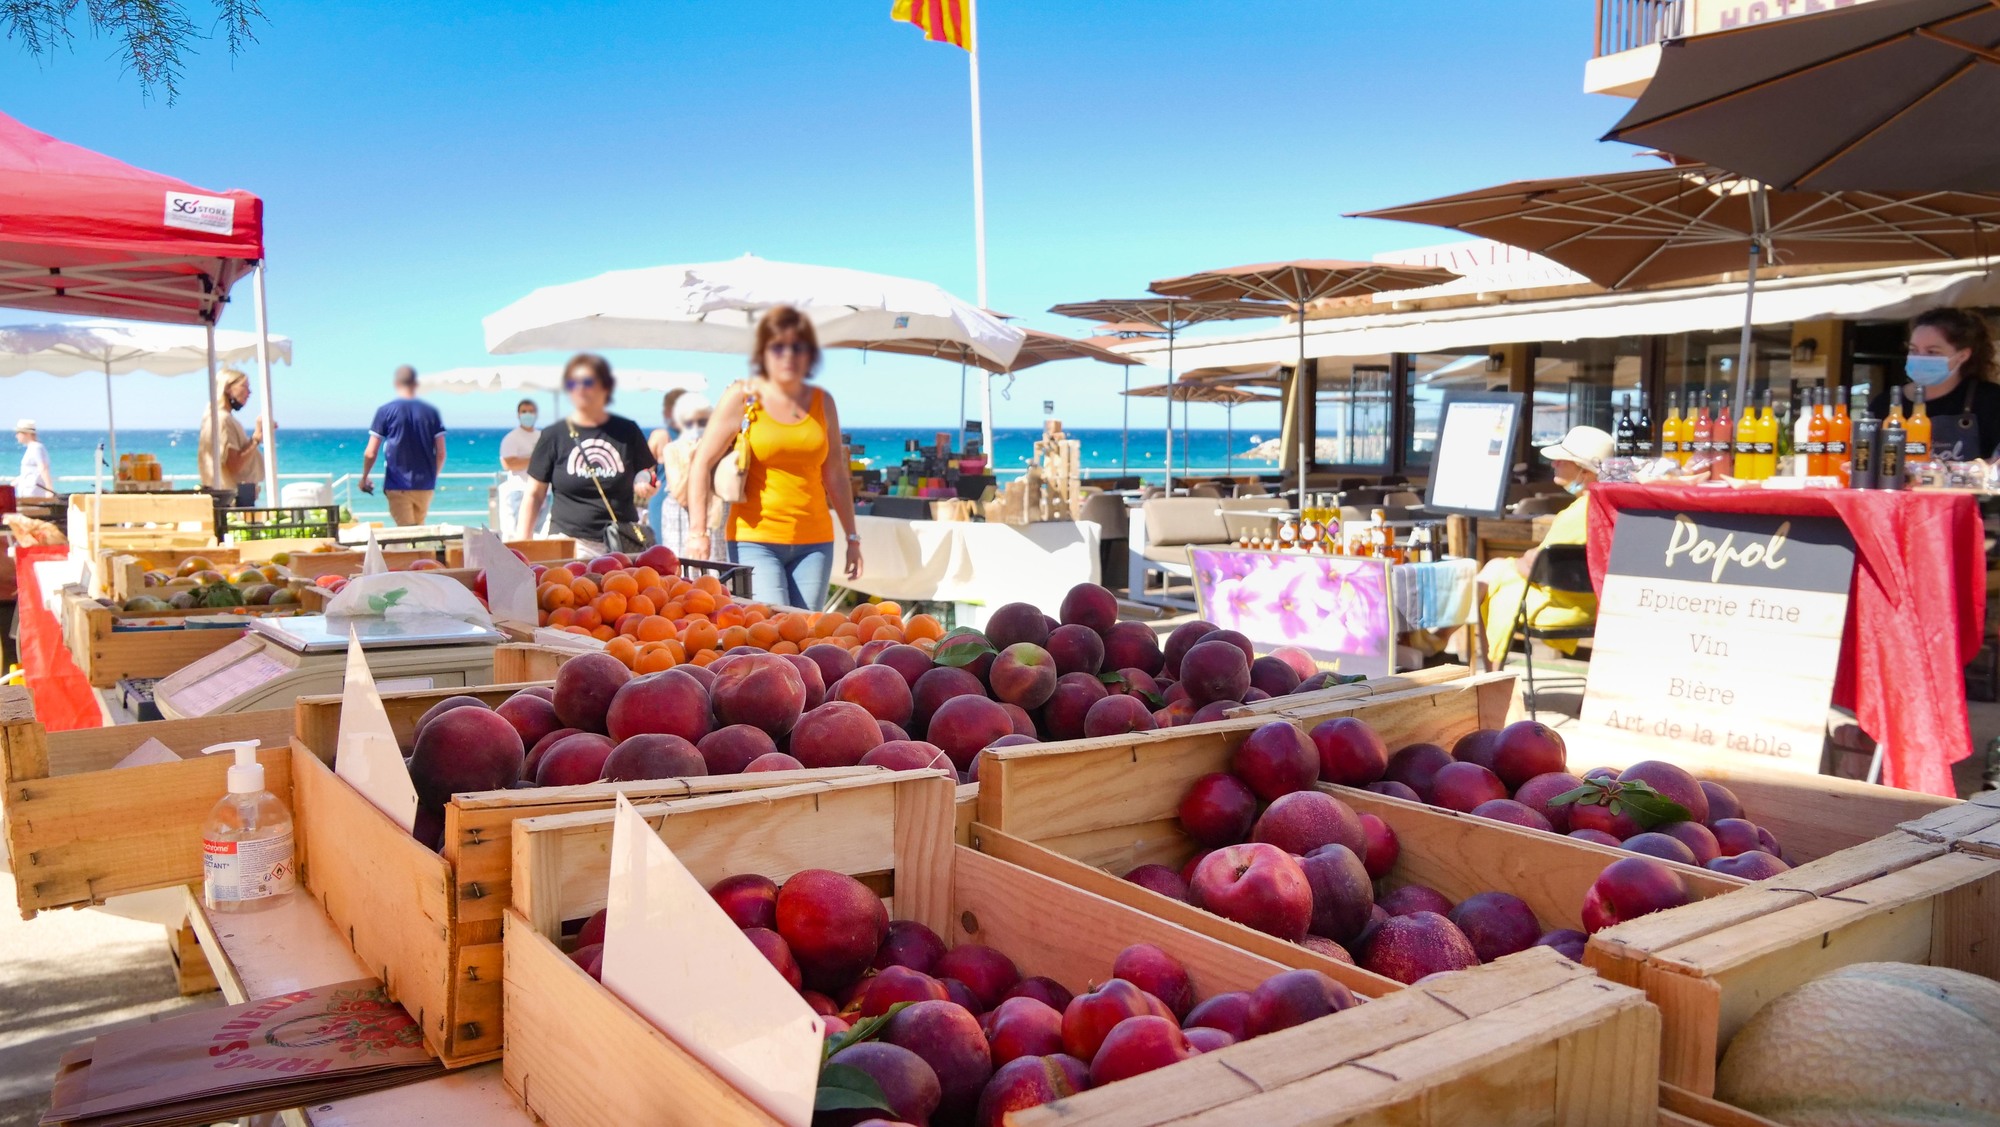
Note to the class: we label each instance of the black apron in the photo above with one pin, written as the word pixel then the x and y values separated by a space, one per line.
pixel 1955 438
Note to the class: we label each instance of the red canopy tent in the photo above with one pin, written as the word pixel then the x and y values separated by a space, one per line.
pixel 83 234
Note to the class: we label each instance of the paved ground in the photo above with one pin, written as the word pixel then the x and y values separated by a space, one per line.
pixel 66 976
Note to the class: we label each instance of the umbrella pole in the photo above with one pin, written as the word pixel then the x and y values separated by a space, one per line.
pixel 1125 436
pixel 264 371
pixel 1743 351
pixel 214 415
pixel 110 418
pixel 1306 443
pixel 1170 401
pixel 961 405
pixel 1229 440
pixel 986 414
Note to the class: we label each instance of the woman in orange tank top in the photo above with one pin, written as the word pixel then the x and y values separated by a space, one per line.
pixel 798 477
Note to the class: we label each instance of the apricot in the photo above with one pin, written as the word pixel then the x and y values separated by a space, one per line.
pixel 653 755
pixel 749 900
pixel 836 734
pixel 834 924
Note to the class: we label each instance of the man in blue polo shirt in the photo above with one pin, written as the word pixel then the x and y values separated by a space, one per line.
pixel 411 435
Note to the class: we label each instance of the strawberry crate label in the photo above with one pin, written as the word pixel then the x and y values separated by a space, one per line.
pixel 1718 635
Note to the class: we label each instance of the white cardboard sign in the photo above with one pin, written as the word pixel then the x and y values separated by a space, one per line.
pixel 510 584
pixel 372 562
pixel 366 753
pixel 671 954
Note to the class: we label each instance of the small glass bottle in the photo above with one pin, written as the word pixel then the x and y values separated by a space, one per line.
pixel 247 857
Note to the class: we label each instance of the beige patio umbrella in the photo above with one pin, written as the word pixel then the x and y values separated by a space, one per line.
pixel 1189 391
pixel 1297 285
pixel 1039 347
pixel 1157 314
pixel 1677 223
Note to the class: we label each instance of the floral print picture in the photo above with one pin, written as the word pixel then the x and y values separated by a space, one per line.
pixel 1336 608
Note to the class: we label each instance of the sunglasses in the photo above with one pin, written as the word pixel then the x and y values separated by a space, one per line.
pixel 789 348
pixel 587 381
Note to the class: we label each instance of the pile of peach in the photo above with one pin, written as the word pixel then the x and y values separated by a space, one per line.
pixel 966 1037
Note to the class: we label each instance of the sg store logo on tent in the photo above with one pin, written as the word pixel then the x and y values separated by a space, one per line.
pixel 215 215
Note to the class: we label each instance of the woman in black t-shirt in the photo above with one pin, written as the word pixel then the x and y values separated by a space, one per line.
pixel 592 448
pixel 1951 365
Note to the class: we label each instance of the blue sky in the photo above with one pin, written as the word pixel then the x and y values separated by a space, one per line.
pixel 425 164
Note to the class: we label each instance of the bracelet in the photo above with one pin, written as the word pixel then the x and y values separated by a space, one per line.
pixel 854 538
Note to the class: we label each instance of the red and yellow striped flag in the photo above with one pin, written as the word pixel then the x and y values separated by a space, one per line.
pixel 943 21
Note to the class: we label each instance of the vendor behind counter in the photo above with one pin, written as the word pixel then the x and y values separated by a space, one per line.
pixel 1952 368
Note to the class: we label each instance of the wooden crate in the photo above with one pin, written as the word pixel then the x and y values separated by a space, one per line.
pixel 528 662
pixel 141 521
pixel 106 653
pixel 1340 694
pixel 1927 894
pixel 79 832
pixel 312 565
pixel 553 550
pixel 1535 1029
pixel 430 922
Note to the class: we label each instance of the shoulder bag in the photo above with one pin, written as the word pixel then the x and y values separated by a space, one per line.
pixel 628 536
pixel 732 474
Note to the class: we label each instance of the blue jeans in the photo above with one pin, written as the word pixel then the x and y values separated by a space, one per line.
pixel 791 575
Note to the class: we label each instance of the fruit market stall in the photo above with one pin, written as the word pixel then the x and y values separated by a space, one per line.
pixel 975 565
pixel 1916 615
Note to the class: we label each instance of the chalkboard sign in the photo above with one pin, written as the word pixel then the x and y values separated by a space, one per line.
pixel 1718 635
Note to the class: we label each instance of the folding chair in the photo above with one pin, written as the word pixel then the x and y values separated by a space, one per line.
pixel 1558 568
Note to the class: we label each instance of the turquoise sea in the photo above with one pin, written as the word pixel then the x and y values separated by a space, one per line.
pixel 331 455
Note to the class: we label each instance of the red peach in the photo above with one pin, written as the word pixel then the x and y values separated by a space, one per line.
pixel 1022 1027
pixel 1259 886
pixel 1090 1017
pixel 909 944
pixel 1234 638
pixel 1215 671
pixel 1321 945
pixel 962 994
pixel 1673 783
pixel 1342 897
pixel 1477 746
pixel 810 674
pixel 585 685
pixel 987 972
pixel 763 690
pixel 1133 645
pixel 748 900
pixel 671 702
pixel 1407 948
pixel 541 748
pixel 1734 835
pixel 1174 715
pixel 1017 622
pixel 465 749
pixel 834 663
pixel 731 750
pixel 1412 898
pixel 1394 790
pixel 879 689
pixel 1203 1039
pixel 1631 887
pixel 1383 847
pixel 1538 793
pixel 936 687
pixel 1091 606
pixel 1294 998
pixel 1599 817
pixel 1304 820
pixel 1075 649
pixel 836 734
pixel 1023 674
pixel 1513 813
pixel 1273 675
pixel 891 733
pixel 1275 760
pixel 1024 724
pixel 1117 715
pixel 653 755
pixel 773 947
pixel 1183 639
pixel 820 1003
pixel 1029 1082
pixel 908 1083
pixel 1722 802
pixel 1350 752
pixel 1138 1045
pixel 908 755
pixel 532 716
pixel 1157 973
pixel 1569 941
pixel 589 956
pixel 1651 844
pixel 1416 766
pixel 1463 786
pixel 1218 810
pixel 1070 703
pixel 897 984
pixel 1215 710
pixel 834 924
pixel 948 1039
pixel 1160 879
pixel 1228 1012
pixel 1526 749
pixel 1496 924
pixel 1189 866
pixel 1597 837
pixel 909 661
pixel 1042 989
pixel 572 761
pixel 966 724
pixel 446 705
pixel 1751 864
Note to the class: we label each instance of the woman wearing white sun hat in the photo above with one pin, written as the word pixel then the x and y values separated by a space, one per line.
pixel 1577 460
pixel 34 480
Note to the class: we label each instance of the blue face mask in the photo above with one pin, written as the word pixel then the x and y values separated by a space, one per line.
pixel 1927 371
pixel 527 419
pixel 1573 487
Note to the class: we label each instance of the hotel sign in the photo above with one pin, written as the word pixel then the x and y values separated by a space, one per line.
pixel 1720 15
pixel 1482 266
pixel 1717 637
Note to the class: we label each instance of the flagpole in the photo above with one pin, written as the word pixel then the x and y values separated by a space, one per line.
pixel 979 219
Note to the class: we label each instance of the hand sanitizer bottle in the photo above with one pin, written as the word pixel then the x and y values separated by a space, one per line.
pixel 246 844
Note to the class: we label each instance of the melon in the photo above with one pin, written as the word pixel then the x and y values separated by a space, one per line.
pixel 1872 1045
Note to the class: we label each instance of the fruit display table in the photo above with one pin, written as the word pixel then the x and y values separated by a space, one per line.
pixel 966 562
pixel 1915 617
pixel 293 946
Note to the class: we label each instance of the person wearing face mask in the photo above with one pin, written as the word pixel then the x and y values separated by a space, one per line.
pixel 1576 460
pixel 516 447
pixel 1951 366
pixel 236 476
pixel 691 412
pixel 658 441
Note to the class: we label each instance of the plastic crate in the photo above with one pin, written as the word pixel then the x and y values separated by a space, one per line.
pixel 299 522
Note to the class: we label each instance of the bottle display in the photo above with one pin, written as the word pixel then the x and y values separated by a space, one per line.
pixel 1840 440
pixel 1642 430
pixel 1917 434
pixel 1624 433
pixel 1889 458
pixel 1819 431
pixel 1670 430
pixel 1864 442
pixel 1701 437
pixel 1722 439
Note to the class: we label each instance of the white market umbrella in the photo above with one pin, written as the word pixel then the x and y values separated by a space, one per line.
pixel 114 348
pixel 523 378
pixel 714 307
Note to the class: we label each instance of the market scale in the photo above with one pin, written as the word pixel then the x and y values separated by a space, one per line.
pixel 280 659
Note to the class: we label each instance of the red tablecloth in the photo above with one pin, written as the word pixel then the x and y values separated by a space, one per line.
pixel 64 700
pixel 1914 619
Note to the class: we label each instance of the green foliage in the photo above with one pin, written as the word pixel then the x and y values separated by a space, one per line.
pixel 843 1086
pixel 961 648
pixel 222 594
pixel 1647 806
pixel 152 35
